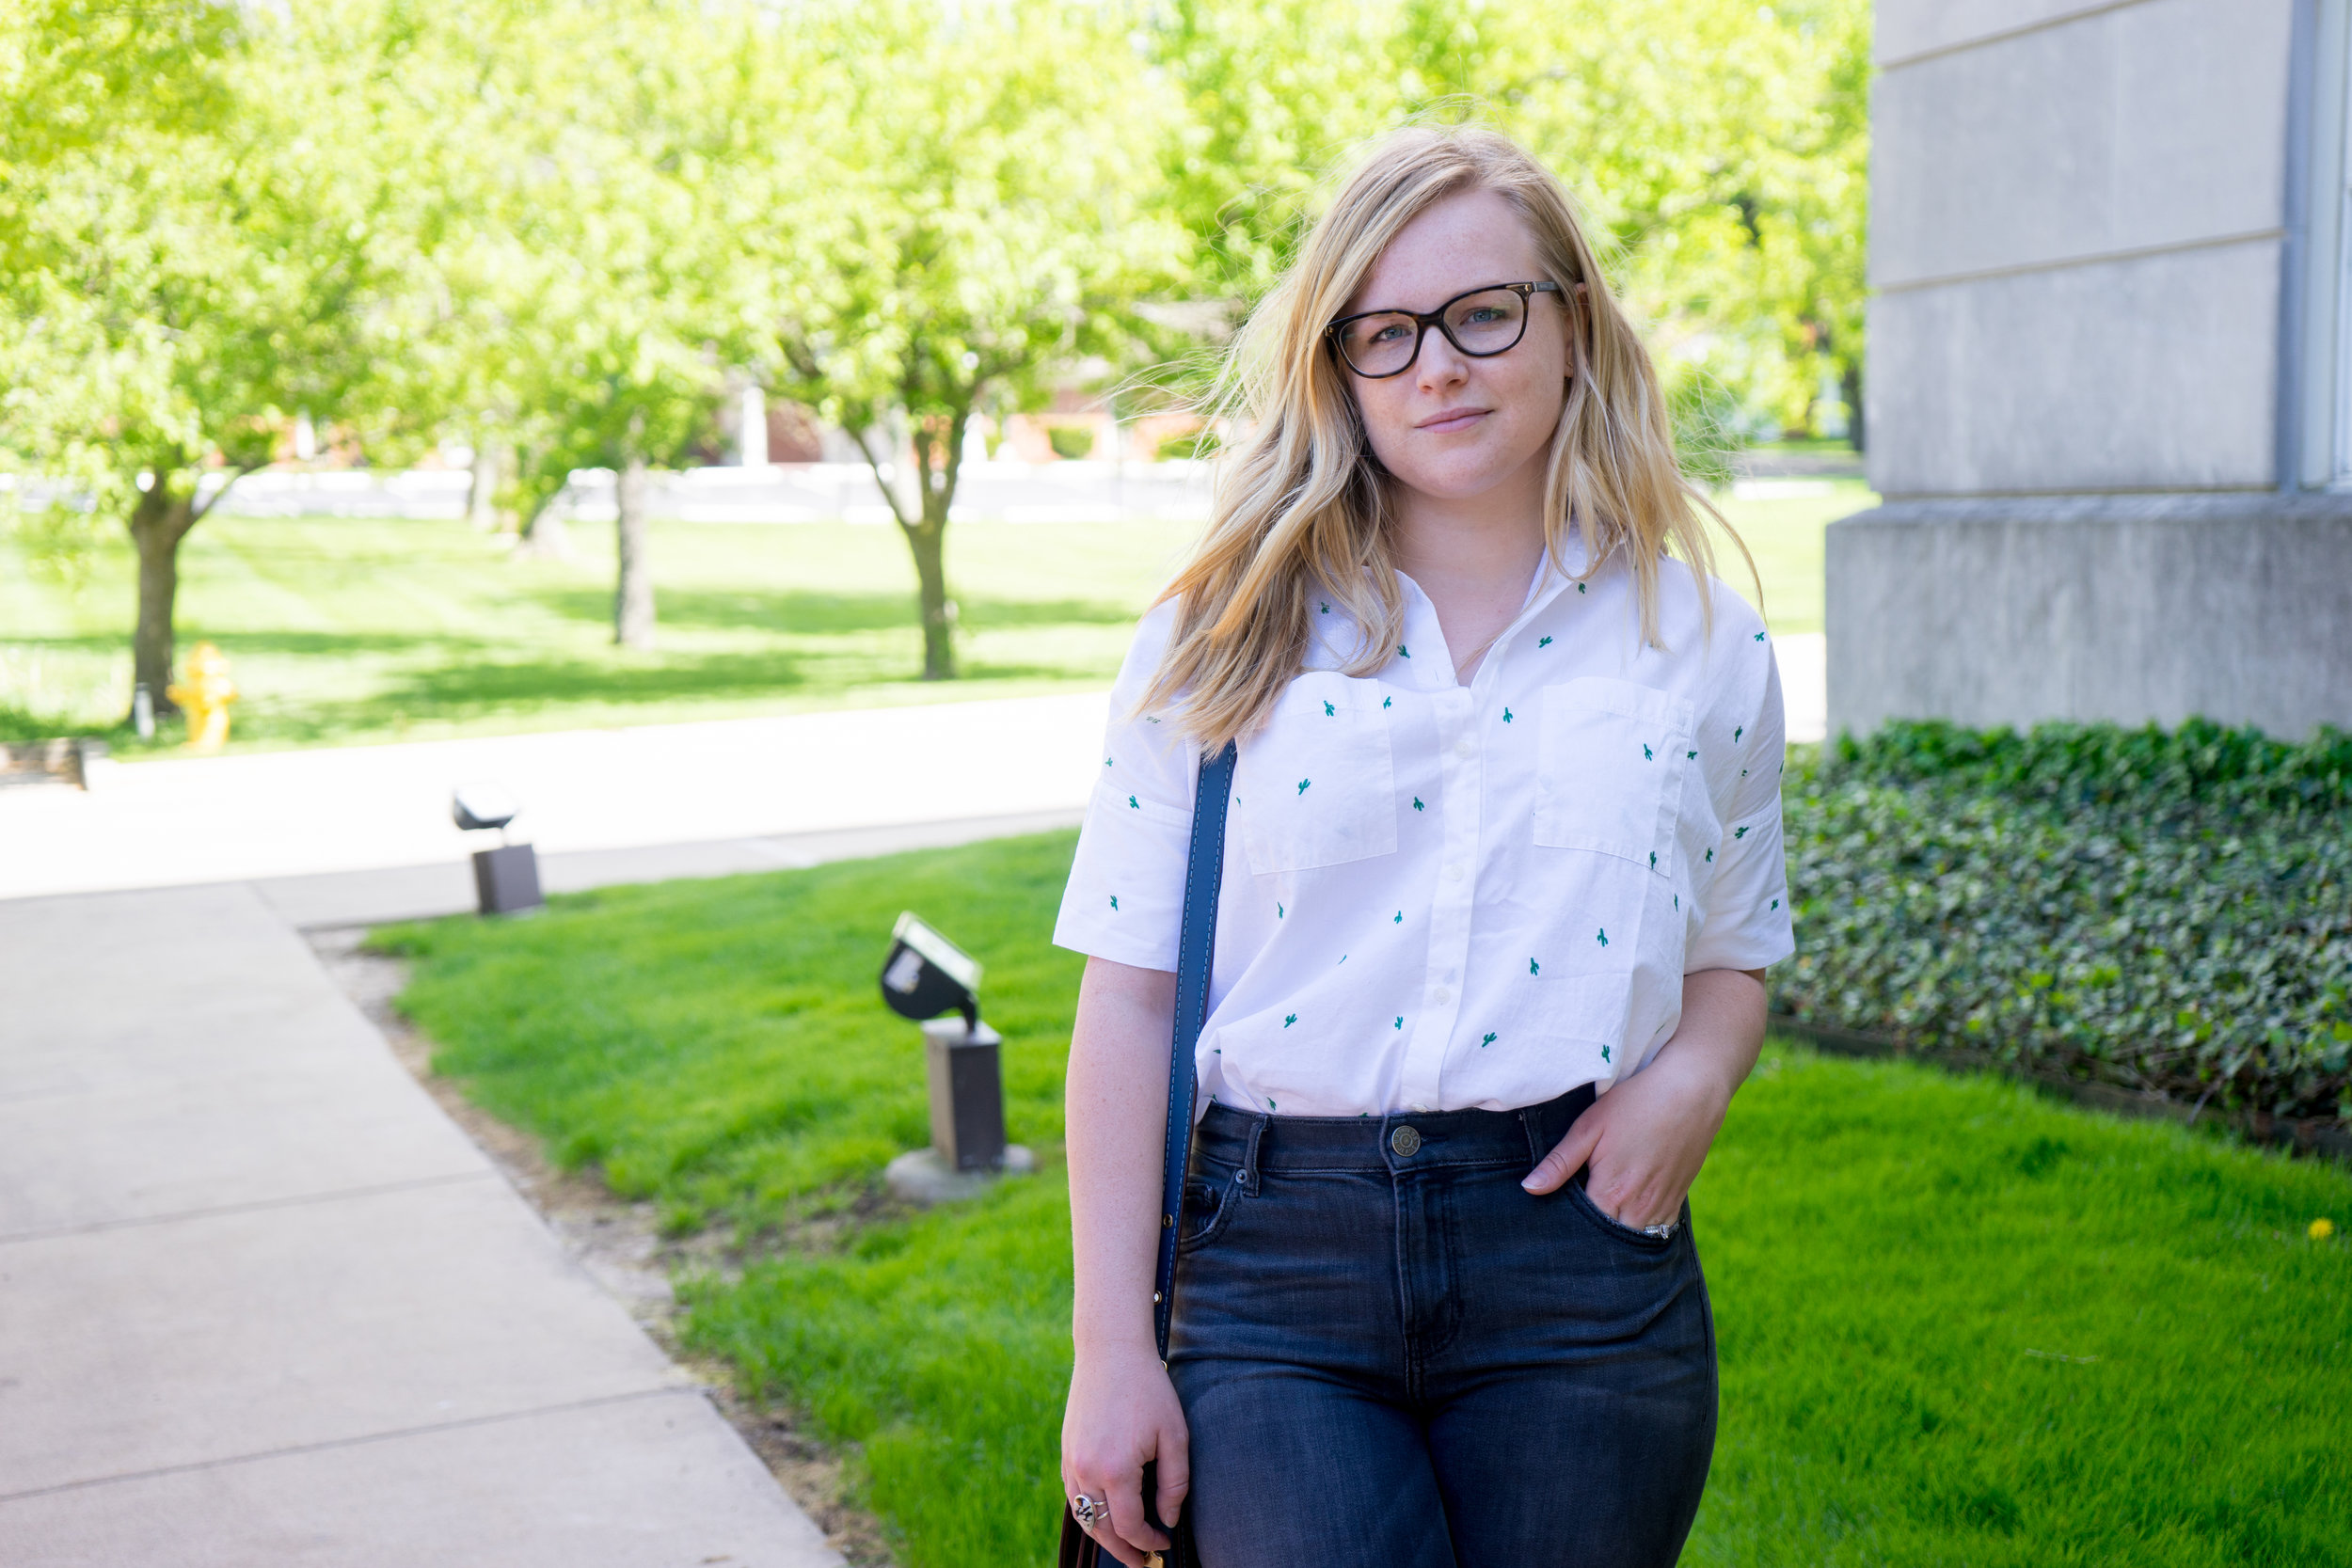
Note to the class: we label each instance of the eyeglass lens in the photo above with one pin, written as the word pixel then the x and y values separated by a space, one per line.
pixel 1480 324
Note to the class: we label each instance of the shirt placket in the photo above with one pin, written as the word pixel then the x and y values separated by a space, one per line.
pixel 1461 806
pixel 1461 774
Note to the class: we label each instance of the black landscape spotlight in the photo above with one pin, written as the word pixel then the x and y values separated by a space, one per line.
pixel 506 879
pixel 924 976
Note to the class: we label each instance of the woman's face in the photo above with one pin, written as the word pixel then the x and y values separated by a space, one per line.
pixel 1449 425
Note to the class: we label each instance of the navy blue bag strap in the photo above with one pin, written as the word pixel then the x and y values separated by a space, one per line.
pixel 1204 870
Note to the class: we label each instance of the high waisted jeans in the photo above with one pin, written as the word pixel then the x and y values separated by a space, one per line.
pixel 1391 1356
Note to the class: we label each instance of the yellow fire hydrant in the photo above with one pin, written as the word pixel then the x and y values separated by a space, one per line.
pixel 205 696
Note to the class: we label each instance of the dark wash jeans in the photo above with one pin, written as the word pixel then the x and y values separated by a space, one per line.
pixel 1391 1356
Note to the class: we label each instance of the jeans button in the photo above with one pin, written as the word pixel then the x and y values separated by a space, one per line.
pixel 1406 1141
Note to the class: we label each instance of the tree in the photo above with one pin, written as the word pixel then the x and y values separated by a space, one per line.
pixel 580 252
pixel 178 284
pixel 1717 146
pixel 979 215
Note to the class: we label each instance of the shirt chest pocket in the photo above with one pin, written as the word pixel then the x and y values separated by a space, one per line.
pixel 1610 761
pixel 1316 786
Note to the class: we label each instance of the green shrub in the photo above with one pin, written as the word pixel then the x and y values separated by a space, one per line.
pixel 1192 443
pixel 1069 440
pixel 2167 912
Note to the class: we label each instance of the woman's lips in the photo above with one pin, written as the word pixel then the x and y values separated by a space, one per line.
pixel 1453 419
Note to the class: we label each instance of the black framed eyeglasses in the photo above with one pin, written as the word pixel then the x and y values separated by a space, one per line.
pixel 1481 324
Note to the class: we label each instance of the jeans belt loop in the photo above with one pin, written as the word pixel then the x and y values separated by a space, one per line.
pixel 1248 1173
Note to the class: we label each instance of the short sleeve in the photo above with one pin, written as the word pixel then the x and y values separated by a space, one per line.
pixel 1747 922
pixel 1125 900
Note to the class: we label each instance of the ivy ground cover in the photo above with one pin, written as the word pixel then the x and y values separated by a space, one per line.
pixel 2160 911
pixel 1959 1323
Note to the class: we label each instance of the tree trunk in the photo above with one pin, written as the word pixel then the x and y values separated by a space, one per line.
pixel 927 539
pixel 1849 385
pixel 158 522
pixel 544 536
pixel 938 442
pixel 481 495
pixel 938 461
pixel 632 596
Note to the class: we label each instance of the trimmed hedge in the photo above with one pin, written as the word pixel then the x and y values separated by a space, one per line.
pixel 2159 910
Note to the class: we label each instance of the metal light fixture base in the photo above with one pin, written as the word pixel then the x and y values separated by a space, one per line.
pixel 506 879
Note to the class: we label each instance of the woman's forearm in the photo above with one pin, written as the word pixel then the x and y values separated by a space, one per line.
pixel 1117 1115
pixel 1721 1028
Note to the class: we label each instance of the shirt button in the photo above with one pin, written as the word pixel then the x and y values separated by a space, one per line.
pixel 1466 746
pixel 1453 873
pixel 1441 996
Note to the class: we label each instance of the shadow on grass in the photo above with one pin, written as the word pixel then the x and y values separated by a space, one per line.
pixel 725 608
pixel 459 691
pixel 298 644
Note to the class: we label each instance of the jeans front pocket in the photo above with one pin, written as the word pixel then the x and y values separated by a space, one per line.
pixel 1208 1210
pixel 1610 759
pixel 1617 1229
pixel 1316 786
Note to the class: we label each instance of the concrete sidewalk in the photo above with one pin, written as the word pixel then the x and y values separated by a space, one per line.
pixel 720 796
pixel 262 1303
pixel 194 820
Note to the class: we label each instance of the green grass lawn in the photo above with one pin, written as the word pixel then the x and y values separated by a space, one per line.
pixel 344 630
pixel 1959 1323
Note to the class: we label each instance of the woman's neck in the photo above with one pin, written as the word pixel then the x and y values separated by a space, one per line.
pixel 1472 555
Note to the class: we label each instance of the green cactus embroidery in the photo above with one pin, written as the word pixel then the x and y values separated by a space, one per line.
pixel 1678 901
pixel 1710 857
pixel 1278 911
pixel 1579 588
pixel 1131 805
pixel 1487 1041
pixel 1149 720
pixel 1324 607
pixel 1601 936
pixel 1385 701
pixel 1759 636
pixel 1269 1104
pixel 1107 762
pixel 1653 860
pixel 1342 959
pixel 1534 968
pixel 1398 919
pixel 1692 755
pixel 1648 755
pixel 1743 772
pixel 1506 715
pixel 1288 1019
pixel 1543 642
pixel 1739 832
pixel 1404 652
pixel 1604 1053
pixel 1328 711
pixel 1303 784
pixel 1775 903
pixel 1416 802
pixel 1114 901
pixel 1400 1020
pixel 1739 731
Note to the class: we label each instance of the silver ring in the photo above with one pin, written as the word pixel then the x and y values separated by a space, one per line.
pixel 1088 1513
pixel 1663 1231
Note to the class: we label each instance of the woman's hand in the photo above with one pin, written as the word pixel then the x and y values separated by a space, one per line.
pixel 1123 1414
pixel 1646 1139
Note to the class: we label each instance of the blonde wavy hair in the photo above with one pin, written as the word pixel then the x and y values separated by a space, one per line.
pixel 1301 505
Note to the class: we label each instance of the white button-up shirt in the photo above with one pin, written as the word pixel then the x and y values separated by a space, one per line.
pixel 1441 897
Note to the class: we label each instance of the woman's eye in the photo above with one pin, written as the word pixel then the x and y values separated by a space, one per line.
pixel 1387 332
pixel 1483 315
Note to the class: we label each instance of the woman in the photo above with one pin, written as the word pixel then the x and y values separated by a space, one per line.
pixel 1502 877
